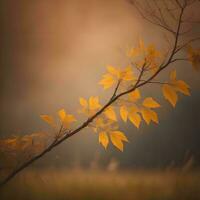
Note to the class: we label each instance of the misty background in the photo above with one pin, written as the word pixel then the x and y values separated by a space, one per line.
pixel 53 52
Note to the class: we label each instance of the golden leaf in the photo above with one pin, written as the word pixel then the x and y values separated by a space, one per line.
pixel 134 108
pixel 48 119
pixel 115 74
pixel 124 113
pixel 149 115
pixel 107 81
pixel 94 103
pixel 135 119
pixel 62 114
pixel 103 139
pixel 127 74
pixel 152 53
pixel 182 87
pixel 83 102
pixel 66 119
pixel 112 70
pixel 170 94
pixel 135 95
pixel 110 113
pixel 150 103
pixel 99 122
pixel 117 138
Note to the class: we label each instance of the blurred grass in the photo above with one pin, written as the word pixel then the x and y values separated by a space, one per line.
pixel 102 185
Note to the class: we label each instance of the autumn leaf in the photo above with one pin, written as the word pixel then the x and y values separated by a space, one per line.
pixel 150 103
pixel 91 106
pixel 135 118
pixel 179 85
pixel 115 74
pixel 138 50
pixel 149 115
pixel 113 71
pixel 131 114
pixel 117 138
pixel 48 119
pixel 124 113
pixel 127 74
pixel 94 103
pixel 152 53
pixel 149 54
pixel 182 87
pixel 107 81
pixel 135 95
pixel 110 113
pixel 99 122
pixel 170 94
pixel 170 89
pixel 66 119
pixel 103 139
pixel 83 102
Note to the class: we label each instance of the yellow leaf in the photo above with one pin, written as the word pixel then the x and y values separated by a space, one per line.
pixel 124 113
pixel 170 94
pixel 120 135
pixel 110 113
pixel 99 122
pixel 150 103
pixel 152 53
pixel 103 139
pixel 149 115
pixel 66 119
pixel 117 137
pixel 48 119
pixel 83 102
pixel 135 95
pixel 107 81
pixel 182 87
pixel 127 74
pixel 113 71
pixel 135 118
pixel 134 108
pixel 62 114
pixel 94 103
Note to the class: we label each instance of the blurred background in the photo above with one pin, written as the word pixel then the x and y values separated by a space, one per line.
pixel 53 52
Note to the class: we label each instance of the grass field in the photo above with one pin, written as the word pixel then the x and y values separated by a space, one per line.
pixel 103 185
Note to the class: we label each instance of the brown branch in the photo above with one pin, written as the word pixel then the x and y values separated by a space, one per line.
pixel 163 26
pixel 179 59
pixel 186 44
